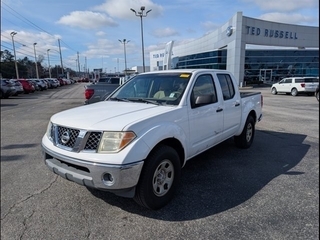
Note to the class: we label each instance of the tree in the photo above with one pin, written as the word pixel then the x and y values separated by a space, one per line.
pixel 7 69
pixel 6 56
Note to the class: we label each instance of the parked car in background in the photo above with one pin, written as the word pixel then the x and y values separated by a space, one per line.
pixel 317 93
pixel 98 92
pixel 57 81
pixel 52 82
pixel 34 84
pixel 48 82
pixel 18 86
pixel 27 86
pixel 62 83
pixel 67 81
pixel 7 88
pixel 110 80
pixel 296 85
pixel 42 84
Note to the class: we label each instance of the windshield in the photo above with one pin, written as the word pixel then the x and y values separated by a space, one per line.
pixel 160 88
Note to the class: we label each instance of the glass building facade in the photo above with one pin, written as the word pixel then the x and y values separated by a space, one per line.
pixel 268 65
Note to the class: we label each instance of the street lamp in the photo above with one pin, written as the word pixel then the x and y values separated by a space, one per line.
pixel 49 63
pixel 35 59
pixel 124 41
pixel 14 51
pixel 140 14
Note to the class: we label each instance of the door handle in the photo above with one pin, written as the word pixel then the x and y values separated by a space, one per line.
pixel 219 110
pixel 237 104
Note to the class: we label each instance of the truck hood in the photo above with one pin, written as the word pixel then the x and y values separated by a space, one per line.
pixel 107 115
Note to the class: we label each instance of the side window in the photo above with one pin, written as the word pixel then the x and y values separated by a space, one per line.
pixel 289 80
pixel 227 87
pixel 204 86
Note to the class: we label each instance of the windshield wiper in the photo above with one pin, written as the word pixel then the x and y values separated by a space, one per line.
pixel 145 101
pixel 120 99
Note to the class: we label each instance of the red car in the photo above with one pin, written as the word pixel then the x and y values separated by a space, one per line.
pixel 61 82
pixel 27 86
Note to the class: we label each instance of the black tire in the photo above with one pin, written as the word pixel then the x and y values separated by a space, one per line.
pixel 274 91
pixel 294 92
pixel 245 139
pixel 159 178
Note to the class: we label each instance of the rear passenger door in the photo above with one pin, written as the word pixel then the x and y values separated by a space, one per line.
pixel 206 120
pixel 231 106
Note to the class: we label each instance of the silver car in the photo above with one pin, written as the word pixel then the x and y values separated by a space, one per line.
pixel 6 89
pixel 54 83
pixel 18 86
pixel 42 84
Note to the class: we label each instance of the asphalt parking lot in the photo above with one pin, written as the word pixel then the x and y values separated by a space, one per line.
pixel 270 191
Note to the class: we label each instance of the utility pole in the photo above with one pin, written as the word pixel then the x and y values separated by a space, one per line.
pixel 35 59
pixel 60 58
pixel 85 62
pixel 49 63
pixel 78 63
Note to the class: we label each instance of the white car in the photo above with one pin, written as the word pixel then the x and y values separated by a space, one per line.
pixel 296 85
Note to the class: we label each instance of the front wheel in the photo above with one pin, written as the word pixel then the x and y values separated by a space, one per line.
pixel 159 178
pixel 245 139
pixel 274 91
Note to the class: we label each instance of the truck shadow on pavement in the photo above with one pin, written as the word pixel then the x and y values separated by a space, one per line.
pixel 224 177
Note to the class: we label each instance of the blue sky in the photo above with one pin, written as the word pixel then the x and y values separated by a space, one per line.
pixel 92 29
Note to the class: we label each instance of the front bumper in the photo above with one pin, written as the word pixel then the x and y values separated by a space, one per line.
pixel 108 177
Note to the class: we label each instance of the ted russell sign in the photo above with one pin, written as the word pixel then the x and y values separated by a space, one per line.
pixel 271 33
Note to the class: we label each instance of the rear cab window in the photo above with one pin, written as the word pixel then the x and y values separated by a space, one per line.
pixel 227 86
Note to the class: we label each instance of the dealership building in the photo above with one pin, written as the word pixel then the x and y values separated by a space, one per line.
pixel 252 49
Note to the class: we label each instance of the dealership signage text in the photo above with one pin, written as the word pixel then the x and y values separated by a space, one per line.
pixel 271 33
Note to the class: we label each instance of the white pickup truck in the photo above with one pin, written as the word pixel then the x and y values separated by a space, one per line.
pixel 135 143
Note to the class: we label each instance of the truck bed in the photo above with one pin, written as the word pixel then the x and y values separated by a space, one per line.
pixel 101 91
pixel 248 94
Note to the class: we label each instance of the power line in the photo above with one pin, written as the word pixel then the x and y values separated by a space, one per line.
pixel 18 15
pixel 25 19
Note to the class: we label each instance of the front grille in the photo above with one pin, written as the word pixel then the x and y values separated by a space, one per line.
pixel 67 136
pixel 93 141
pixel 75 140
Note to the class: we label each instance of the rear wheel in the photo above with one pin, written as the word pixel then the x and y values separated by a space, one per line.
pixel 274 91
pixel 159 178
pixel 245 139
pixel 294 92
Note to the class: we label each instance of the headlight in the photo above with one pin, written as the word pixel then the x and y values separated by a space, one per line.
pixel 49 131
pixel 115 141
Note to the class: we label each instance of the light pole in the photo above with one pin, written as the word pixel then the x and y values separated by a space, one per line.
pixel 60 58
pixel 35 59
pixel 140 14
pixel 14 51
pixel 124 41
pixel 49 63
